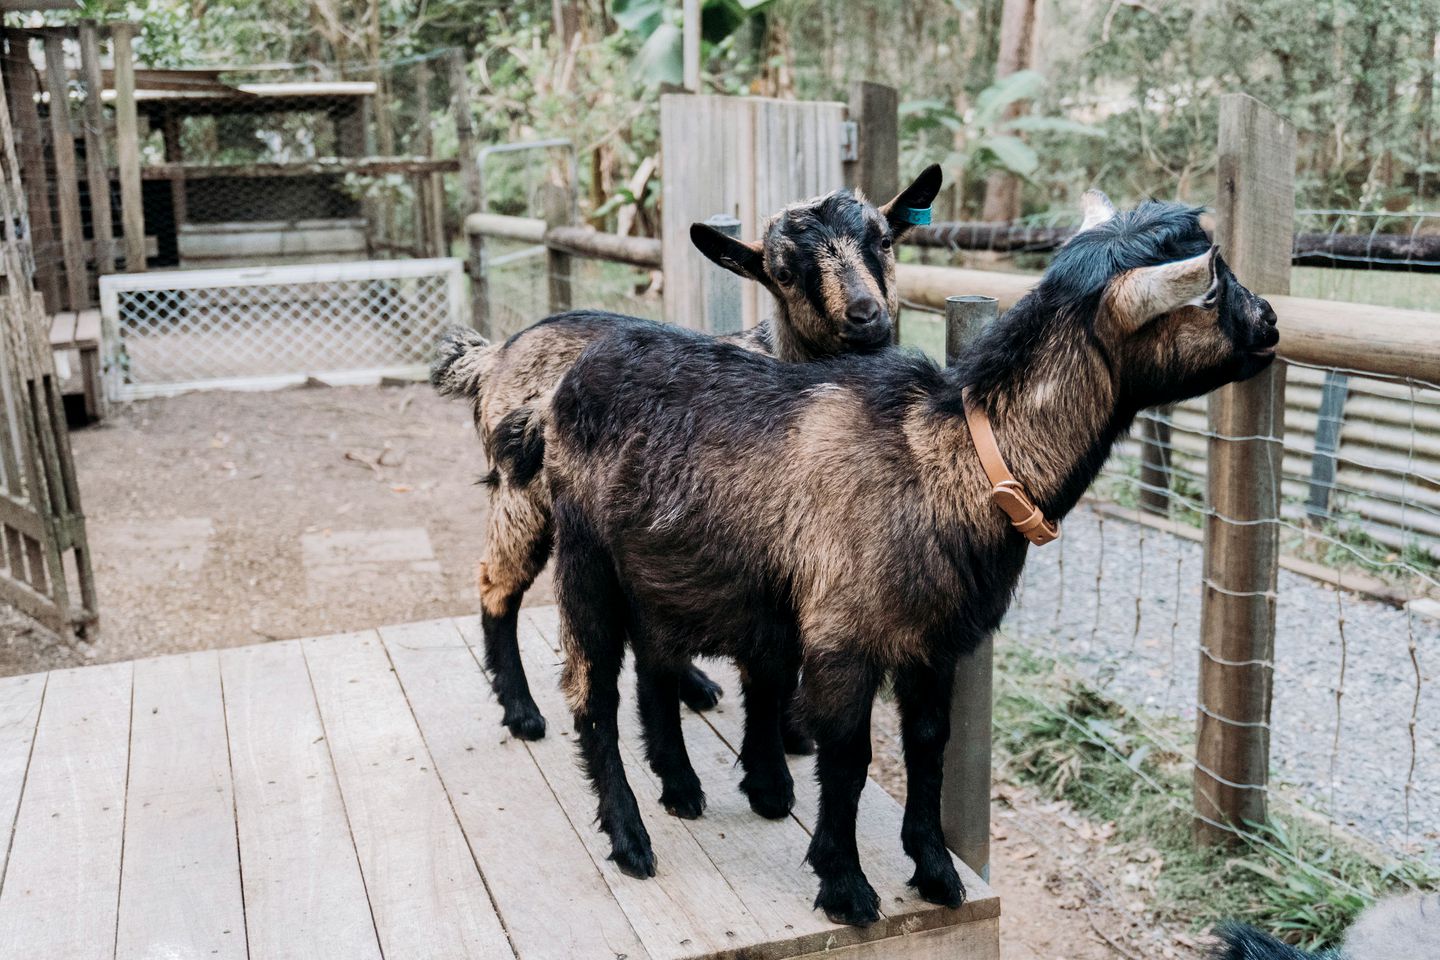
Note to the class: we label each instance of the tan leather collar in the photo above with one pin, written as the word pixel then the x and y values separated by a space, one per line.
pixel 1005 490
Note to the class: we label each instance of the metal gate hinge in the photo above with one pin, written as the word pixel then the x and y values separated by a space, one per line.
pixel 849 141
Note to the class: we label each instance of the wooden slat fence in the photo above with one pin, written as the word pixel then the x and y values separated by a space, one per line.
pixel 44 561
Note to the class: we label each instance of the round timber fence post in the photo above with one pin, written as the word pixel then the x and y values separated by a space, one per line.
pixel 558 204
pixel 723 288
pixel 1255 212
pixel 965 790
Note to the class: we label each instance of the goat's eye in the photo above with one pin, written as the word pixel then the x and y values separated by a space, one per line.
pixel 886 243
pixel 783 276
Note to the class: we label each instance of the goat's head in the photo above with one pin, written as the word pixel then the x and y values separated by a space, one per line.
pixel 830 262
pixel 1165 312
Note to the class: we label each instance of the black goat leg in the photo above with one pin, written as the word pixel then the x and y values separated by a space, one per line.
pixel 699 692
pixel 657 690
pixel 507 673
pixel 767 782
pixel 592 631
pixel 924 692
pixel 842 741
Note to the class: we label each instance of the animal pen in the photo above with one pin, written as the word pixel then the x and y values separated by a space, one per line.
pixel 349 796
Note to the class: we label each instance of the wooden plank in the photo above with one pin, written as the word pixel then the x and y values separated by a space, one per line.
pixel 673 913
pixel 875 110
pixel 97 168
pixel 304 897
pixel 67 178
pixel 761 860
pixel 30 150
pixel 20 699
pixel 62 329
pixel 977 940
pixel 1256 169
pixel 511 819
pixel 127 148
pixel 62 881
pixel 426 893
pixel 87 328
pixel 180 885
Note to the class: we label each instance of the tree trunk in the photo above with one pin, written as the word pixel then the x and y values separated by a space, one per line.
pixel 1017 26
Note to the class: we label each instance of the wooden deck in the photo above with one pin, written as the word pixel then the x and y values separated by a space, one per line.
pixel 355 797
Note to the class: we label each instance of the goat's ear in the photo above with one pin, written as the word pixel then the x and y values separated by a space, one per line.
pixel 738 256
pixel 1137 296
pixel 911 206
pixel 1096 208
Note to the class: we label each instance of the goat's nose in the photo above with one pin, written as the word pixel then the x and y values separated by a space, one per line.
pixel 864 311
pixel 1267 313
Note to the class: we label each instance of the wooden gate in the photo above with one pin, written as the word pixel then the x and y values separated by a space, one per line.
pixel 43 553
pixel 743 156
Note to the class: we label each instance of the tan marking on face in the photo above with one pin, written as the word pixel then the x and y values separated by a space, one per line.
pixel 841 264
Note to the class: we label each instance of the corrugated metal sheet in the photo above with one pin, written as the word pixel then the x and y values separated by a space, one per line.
pixel 1387 465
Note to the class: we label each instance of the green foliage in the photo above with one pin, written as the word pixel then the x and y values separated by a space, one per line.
pixel 656 24
pixel 1298 880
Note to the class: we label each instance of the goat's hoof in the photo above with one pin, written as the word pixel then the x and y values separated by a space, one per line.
pixel 849 901
pixel 524 722
pixel 941 886
pixel 687 803
pixel 772 799
pixel 632 853
pixel 798 743
pixel 699 692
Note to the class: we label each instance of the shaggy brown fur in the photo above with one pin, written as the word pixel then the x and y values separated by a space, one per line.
pixel 835 514
pixel 830 264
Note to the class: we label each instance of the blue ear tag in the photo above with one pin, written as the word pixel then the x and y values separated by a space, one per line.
pixel 915 216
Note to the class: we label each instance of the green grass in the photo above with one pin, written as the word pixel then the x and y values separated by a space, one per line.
pixel 1415 291
pixel 1293 878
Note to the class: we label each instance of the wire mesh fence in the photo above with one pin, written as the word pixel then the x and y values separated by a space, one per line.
pixel 1353 728
pixel 169 331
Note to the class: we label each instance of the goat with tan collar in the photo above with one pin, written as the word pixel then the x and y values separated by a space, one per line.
pixel 836 514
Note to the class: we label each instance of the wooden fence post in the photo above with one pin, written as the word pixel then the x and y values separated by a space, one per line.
pixel 67 175
pixel 1256 209
pixel 470 184
pixel 127 148
pixel 96 166
pixel 722 288
pixel 690 45
pixel 875 110
pixel 965 790
pixel 559 208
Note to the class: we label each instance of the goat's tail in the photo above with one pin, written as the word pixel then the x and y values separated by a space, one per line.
pixel 463 359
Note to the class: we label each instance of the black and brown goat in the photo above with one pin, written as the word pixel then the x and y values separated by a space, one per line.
pixel 830 265
pixel 835 515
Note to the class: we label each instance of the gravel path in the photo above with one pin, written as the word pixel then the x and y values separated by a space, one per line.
pixel 1134 630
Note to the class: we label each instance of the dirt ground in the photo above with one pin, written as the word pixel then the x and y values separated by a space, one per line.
pixel 222 519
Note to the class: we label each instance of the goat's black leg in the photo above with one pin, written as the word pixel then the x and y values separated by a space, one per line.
pixel 592 617
pixel 923 692
pixel 798 742
pixel 767 782
pixel 699 692
pixel 839 715
pixel 507 673
pixel 657 689
pixel 518 540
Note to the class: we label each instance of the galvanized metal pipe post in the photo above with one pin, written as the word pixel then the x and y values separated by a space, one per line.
pixel 965 795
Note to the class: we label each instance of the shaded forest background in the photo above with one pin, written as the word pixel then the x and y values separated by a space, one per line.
pixel 1120 93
